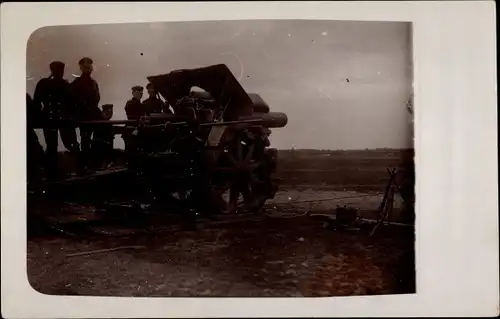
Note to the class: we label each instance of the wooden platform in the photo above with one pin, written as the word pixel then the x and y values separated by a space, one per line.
pixel 72 179
pixel 91 175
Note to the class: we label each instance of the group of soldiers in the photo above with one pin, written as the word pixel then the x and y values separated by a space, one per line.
pixel 135 109
pixel 58 105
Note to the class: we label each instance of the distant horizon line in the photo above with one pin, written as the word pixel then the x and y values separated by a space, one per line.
pixel 332 150
pixel 385 149
pixel 347 149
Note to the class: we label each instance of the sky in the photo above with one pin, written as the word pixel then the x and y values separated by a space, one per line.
pixel 343 84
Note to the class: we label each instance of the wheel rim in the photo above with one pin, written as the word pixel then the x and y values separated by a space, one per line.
pixel 237 193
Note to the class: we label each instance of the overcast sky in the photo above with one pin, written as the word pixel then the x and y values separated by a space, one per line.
pixel 343 84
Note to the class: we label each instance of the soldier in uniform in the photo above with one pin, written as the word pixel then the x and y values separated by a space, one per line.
pixel 34 152
pixel 103 138
pixel 54 98
pixel 87 96
pixel 153 104
pixel 134 108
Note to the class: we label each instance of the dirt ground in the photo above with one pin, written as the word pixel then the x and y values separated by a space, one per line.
pixel 290 254
pixel 273 257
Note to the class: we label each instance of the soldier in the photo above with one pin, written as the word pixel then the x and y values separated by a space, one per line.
pixel 104 137
pixel 87 96
pixel 153 104
pixel 34 151
pixel 53 97
pixel 134 109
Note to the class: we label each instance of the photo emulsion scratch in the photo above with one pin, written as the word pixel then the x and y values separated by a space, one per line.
pixel 253 158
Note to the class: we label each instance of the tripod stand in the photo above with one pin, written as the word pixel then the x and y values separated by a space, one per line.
pixel 387 203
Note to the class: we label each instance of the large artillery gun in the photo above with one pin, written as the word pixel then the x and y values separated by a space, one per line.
pixel 213 154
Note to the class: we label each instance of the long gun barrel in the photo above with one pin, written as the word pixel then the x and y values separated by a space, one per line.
pixel 133 122
pixel 270 120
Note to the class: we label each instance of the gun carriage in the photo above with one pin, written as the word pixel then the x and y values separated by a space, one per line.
pixel 213 154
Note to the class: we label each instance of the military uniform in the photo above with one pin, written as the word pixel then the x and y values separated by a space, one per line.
pixel 34 152
pixel 53 96
pixel 103 140
pixel 87 96
pixel 134 108
pixel 155 105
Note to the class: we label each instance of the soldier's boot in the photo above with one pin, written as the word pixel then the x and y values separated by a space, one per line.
pixel 77 157
pixel 190 219
pixel 51 156
pixel 85 144
pixel 80 164
pixel 34 159
pixel 51 161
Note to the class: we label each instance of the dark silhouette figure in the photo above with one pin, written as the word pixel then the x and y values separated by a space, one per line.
pixel 103 138
pixel 53 97
pixel 134 108
pixel 34 150
pixel 407 186
pixel 153 104
pixel 87 96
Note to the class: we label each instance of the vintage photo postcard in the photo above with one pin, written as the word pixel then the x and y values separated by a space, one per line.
pixel 256 162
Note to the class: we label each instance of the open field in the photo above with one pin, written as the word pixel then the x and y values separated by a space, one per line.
pixel 353 170
pixel 271 256
pixel 357 169
pixel 274 257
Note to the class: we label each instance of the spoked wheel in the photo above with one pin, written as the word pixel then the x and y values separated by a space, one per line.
pixel 240 180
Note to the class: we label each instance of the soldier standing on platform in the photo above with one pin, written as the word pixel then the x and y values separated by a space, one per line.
pixel 34 151
pixel 87 96
pixel 153 104
pixel 53 97
pixel 134 108
pixel 103 138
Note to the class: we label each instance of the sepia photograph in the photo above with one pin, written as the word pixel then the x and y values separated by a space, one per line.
pixel 244 158
pixel 249 159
